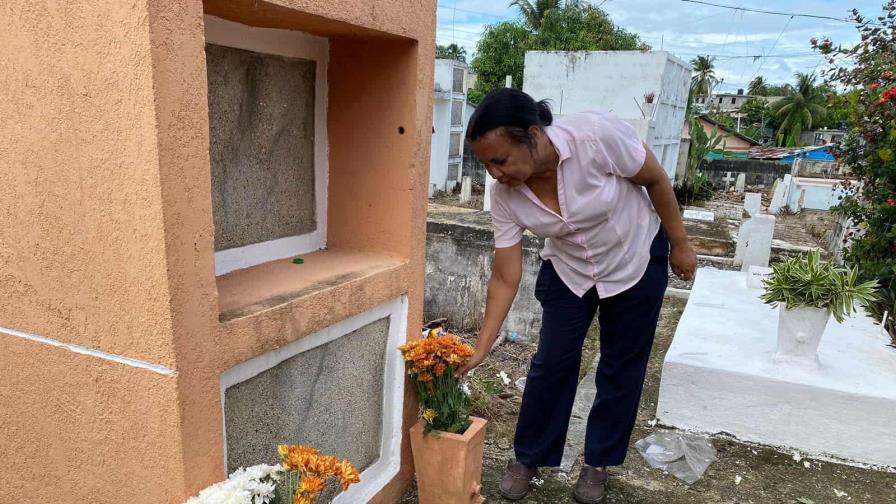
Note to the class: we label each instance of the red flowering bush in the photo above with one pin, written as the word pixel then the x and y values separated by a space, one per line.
pixel 869 150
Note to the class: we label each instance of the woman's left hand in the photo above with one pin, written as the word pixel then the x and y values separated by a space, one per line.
pixel 683 260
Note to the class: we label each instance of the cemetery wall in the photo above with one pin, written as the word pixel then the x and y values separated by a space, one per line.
pixel 757 172
pixel 458 266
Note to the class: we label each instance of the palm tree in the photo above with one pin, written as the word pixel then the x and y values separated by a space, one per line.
pixel 534 11
pixel 758 86
pixel 704 75
pixel 451 51
pixel 803 106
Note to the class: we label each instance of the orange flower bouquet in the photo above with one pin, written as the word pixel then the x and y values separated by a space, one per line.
pixel 300 480
pixel 431 362
pixel 306 472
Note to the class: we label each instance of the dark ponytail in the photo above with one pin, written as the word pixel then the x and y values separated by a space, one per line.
pixel 511 109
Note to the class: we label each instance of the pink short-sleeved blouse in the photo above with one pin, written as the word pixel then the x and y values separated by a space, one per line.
pixel 602 237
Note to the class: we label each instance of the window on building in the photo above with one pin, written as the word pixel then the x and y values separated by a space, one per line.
pixel 454 173
pixel 454 144
pixel 720 100
pixel 457 113
pixel 458 84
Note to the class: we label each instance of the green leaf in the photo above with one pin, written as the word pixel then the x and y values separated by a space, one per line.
pixel 885 154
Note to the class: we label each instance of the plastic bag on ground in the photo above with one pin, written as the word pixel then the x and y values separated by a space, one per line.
pixel 685 456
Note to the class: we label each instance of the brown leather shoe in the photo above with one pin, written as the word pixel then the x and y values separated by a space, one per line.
pixel 515 483
pixel 592 485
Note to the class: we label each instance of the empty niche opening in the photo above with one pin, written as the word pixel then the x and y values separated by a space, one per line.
pixel 340 390
pixel 267 142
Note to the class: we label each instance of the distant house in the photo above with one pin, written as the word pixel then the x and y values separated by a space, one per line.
pixel 822 137
pixel 729 103
pixel 733 141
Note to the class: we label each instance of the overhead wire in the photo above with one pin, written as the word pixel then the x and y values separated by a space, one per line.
pixel 762 62
pixel 774 13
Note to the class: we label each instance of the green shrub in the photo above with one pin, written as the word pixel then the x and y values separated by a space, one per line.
pixel 694 189
pixel 866 71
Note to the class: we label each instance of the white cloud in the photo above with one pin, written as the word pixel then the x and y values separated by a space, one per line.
pixel 688 29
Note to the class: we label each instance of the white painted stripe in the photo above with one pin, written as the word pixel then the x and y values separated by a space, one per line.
pixel 127 361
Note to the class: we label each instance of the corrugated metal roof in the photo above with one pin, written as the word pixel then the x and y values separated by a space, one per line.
pixel 781 152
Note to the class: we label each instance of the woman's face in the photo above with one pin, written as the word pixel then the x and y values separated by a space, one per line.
pixel 506 160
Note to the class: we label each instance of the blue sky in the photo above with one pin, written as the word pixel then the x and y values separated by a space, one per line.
pixel 687 29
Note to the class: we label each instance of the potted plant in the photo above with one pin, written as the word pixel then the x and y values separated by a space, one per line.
pixel 810 291
pixel 446 443
pixel 649 99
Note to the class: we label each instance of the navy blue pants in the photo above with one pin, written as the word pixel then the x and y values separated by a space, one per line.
pixel 627 327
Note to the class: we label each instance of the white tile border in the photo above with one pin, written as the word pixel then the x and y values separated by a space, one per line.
pixel 293 44
pixel 381 472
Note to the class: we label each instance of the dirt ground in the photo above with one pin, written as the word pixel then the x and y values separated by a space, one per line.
pixel 743 473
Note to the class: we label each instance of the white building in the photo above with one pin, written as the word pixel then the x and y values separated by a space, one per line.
pixel 822 137
pixel 620 82
pixel 728 103
pixel 723 102
pixel 449 124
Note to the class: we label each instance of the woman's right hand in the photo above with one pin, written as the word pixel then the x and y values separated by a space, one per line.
pixel 502 286
pixel 475 360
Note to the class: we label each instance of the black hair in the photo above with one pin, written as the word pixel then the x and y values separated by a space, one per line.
pixel 511 109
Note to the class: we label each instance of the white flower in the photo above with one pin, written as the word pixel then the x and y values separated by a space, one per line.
pixel 504 378
pixel 253 485
pixel 466 388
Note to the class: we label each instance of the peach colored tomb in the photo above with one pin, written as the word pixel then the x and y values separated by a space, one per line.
pixel 124 327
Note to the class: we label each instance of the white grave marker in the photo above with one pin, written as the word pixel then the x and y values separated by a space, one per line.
pixel 741 183
pixel 728 179
pixel 779 197
pixel 754 242
pixel 466 189
pixel 753 203
pixel 701 215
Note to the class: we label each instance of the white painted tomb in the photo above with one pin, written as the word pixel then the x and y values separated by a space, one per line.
pixel 719 376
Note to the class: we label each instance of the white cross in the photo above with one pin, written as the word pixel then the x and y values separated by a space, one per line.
pixel 728 180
